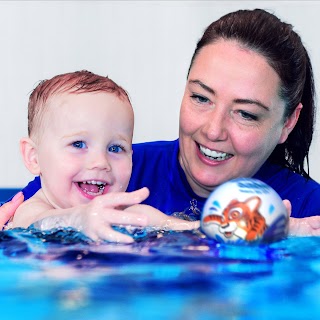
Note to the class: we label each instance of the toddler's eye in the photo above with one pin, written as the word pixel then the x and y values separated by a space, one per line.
pixel 115 148
pixel 79 144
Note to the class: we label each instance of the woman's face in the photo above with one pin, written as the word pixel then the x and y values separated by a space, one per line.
pixel 231 116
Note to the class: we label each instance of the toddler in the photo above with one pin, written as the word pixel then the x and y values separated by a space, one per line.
pixel 80 128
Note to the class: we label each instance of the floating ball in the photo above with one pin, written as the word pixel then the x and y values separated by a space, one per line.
pixel 244 210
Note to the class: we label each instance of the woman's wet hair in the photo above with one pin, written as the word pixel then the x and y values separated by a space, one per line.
pixel 264 33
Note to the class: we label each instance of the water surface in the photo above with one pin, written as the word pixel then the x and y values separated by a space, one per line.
pixel 163 275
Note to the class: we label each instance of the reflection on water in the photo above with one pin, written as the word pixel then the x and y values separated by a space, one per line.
pixel 163 275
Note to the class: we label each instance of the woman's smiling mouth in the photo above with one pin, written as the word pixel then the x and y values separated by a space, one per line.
pixel 214 155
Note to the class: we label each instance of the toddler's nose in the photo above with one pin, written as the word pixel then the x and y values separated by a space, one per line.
pixel 99 160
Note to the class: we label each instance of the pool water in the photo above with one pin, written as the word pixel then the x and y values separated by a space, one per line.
pixel 163 275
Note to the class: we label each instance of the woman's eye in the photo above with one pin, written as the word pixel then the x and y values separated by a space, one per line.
pixel 79 144
pixel 247 116
pixel 115 148
pixel 199 99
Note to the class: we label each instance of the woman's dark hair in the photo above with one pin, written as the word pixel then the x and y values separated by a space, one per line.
pixel 267 35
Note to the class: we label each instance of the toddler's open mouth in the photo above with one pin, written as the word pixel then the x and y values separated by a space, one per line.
pixel 92 187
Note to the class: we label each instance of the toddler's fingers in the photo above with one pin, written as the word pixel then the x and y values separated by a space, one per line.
pixel 120 217
pixel 108 234
pixel 125 199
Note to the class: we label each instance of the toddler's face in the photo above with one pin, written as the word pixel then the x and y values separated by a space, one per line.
pixel 85 150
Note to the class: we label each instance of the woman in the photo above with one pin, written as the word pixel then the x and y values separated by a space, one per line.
pixel 247 111
pixel 8 209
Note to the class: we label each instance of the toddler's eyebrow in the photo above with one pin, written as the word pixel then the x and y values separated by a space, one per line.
pixel 75 134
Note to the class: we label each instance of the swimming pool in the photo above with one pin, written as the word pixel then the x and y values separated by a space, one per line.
pixel 163 275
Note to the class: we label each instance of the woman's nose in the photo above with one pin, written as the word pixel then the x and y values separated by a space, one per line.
pixel 215 127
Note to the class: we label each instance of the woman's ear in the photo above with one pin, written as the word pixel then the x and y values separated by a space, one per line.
pixel 29 153
pixel 290 124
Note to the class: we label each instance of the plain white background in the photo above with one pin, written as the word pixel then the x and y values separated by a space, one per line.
pixel 145 46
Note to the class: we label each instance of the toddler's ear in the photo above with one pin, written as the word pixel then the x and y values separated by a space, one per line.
pixel 29 153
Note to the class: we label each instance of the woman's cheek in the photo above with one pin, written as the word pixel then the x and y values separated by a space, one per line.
pixel 188 120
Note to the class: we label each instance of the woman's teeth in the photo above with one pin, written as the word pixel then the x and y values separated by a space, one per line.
pixel 214 155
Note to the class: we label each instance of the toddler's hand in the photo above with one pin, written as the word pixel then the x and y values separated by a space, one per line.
pixel 158 219
pixel 96 218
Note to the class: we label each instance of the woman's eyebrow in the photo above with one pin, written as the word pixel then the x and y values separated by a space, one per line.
pixel 239 101
pixel 202 85
pixel 252 101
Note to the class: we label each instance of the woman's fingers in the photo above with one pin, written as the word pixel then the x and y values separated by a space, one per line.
pixel 8 209
pixel 287 204
pixel 309 226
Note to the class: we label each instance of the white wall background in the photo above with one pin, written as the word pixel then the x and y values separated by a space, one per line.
pixel 145 46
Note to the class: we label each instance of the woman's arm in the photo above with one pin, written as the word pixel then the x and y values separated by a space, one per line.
pixel 8 209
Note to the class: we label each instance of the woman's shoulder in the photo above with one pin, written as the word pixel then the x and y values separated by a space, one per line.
pixel 155 152
pixel 304 194
pixel 32 187
pixel 155 146
pixel 277 175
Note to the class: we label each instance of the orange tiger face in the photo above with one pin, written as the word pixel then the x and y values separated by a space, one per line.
pixel 240 219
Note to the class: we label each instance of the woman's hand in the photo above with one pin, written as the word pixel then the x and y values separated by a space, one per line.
pixel 303 227
pixel 8 209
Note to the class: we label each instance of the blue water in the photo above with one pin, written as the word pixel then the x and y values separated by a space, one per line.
pixel 163 275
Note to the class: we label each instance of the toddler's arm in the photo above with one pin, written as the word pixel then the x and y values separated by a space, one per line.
pixel 160 220
pixel 94 219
